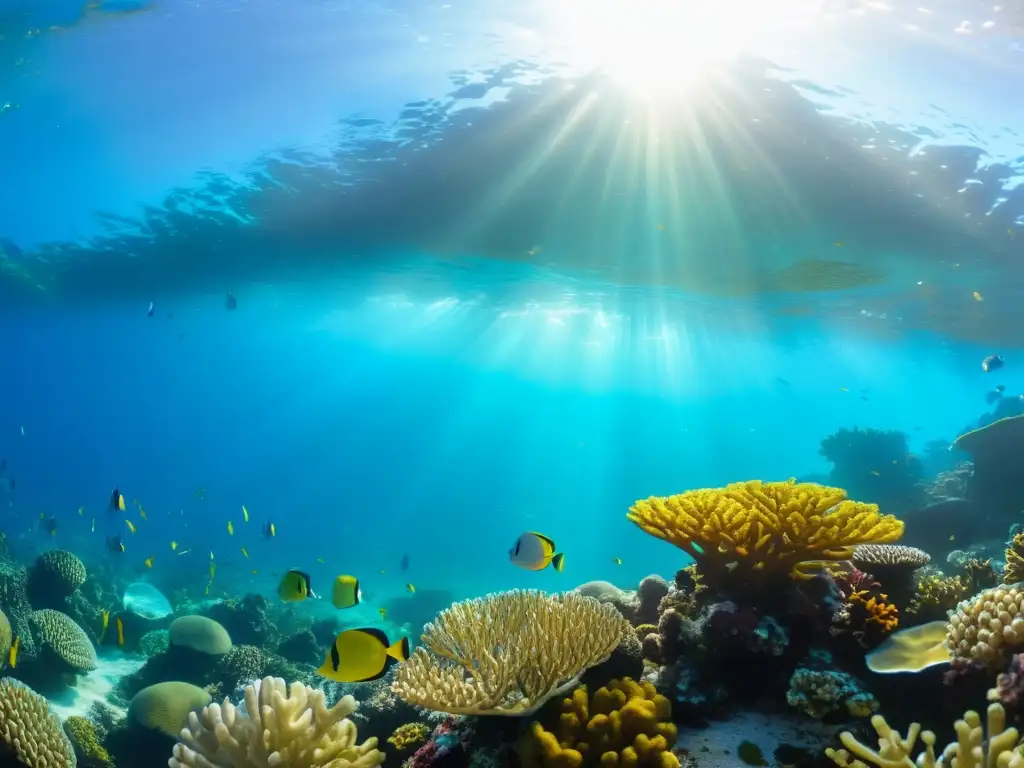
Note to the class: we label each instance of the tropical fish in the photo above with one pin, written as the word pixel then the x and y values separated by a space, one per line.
pixel 361 655
pixel 992 363
pixel 231 529
pixel 12 657
pixel 411 588
pixel 148 561
pixel 245 552
pixel 294 587
pixel 977 296
pixel 142 514
pixel 116 501
pixel 750 754
pixel 81 511
pixel 131 525
pixel 535 552
pixel 174 545
pixel 617 560
pixel 269 530
pixel 120 631
pixel 346 592
pixel 48 524
pixel 105 618
pixel 245 513
pixel 151 310
pixel 213 570
pixel 383 612
pixel 114 544
pixel 92 527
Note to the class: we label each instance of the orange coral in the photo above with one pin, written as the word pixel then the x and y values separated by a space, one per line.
pixel 879 611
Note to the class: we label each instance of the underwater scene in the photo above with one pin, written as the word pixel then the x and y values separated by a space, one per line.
pixel 534 384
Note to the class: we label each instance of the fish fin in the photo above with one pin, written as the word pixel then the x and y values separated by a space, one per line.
pixel 335 658
pixel 355 592
pixel 377 634
pixel 558 562
pixel 400 649
pixel 549 544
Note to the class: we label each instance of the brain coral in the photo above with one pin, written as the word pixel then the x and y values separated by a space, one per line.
pixel 58 572
pixel 65 638
pixel 747 532
pixel 165 706
pixel 282 726
pixel 984 627
pixel 30 731
pixel 199 634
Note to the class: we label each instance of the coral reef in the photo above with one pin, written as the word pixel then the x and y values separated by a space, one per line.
pixel 29 731
pixel 893 566
pixel 984 628
pixel 246 621
pixel 508 653
pixel 818 693
pixel 289 727
pixel 199 634
pixel 85 739
pixel 14 602
pixel 935 596
pixel 55 575
pixel 745 536
pixel 637 607
pixel 165 706
pixel 626 723
pixel 1013 571
pixel 409 736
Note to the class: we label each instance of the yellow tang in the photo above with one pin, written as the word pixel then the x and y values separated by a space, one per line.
pixel 12 658
pixel 120 631
pixel 148 561
pixel 245 552
pixel 294 587
pixel 346 592
pixel 360 655
pixel 231 529
pixel 106 623
pixel 130 526
pixel 174 545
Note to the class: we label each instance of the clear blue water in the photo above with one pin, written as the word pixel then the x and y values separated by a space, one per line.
pixel 481 288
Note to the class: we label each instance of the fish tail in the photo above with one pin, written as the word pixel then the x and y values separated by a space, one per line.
pixel 399 649
pixel 558 562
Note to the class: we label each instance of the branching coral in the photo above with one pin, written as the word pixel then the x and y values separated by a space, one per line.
pixel 753 530
pixel 876 608
pixel 1013 572
pixel 281 726
pixel 508 653
pixel 625 723
pixel 970 750
pixel 82 733
pixel 936 596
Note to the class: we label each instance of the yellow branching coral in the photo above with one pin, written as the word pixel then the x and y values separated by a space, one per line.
pixel 409 735
pixel 282 726
pixel 508 653
pixel 91 753
pixel 936 596
pixel 757 528
pixel 970 750
pixel 877 608
pixel 1013 571
pixel 624 724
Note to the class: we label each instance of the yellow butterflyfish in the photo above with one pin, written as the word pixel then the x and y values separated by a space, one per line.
pixel 174 545
pixel 12 658
pixel 142 514
pixel 105 618
pixel 244 552
pixel 231 529
pixel 149 561
pixel 245 514
pixel 131 526
pixel 120 631
pixel 411 588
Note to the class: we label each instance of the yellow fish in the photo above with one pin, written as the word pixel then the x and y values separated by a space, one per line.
pixel 244 552
pixel 410 588
pixel 346 592
pixel 843 389
pixel 383 612
pixel 120 631
pixel 245 513
pixel 149 561
pixel 535 552
pixel 231 529
pixel 213 571
pixel 174 545
pixel 206 591
pixel 81 511
pixel 255 571
pixel 617 560
pixel 131 526
pixel 106 622
pixel 360 655
pixel 977 296
pixel 211 554
pixel 12 658
pixel 116 501
pixel 142 514
pixel 294 587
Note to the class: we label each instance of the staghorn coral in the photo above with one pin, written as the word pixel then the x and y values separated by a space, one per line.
pixel 86 742
pixel 409 736
pixel 55 574
pixel 984 628
pixel 970 750
pixel 282 726
pixel 746 533
pixel 30 731
pixel 625 723
pixel 1013 571
pixel 818 693
pixel 508 653
pixel 61 635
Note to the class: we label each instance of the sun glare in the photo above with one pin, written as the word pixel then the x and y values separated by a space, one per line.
pixel 654 46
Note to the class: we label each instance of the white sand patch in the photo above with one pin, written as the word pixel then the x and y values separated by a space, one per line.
pixel 95 686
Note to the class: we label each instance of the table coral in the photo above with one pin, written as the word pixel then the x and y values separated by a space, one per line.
pixel 747 533
pixel 508 653
pixel 625 723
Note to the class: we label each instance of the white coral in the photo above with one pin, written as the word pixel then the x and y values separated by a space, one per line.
pixel 280 727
